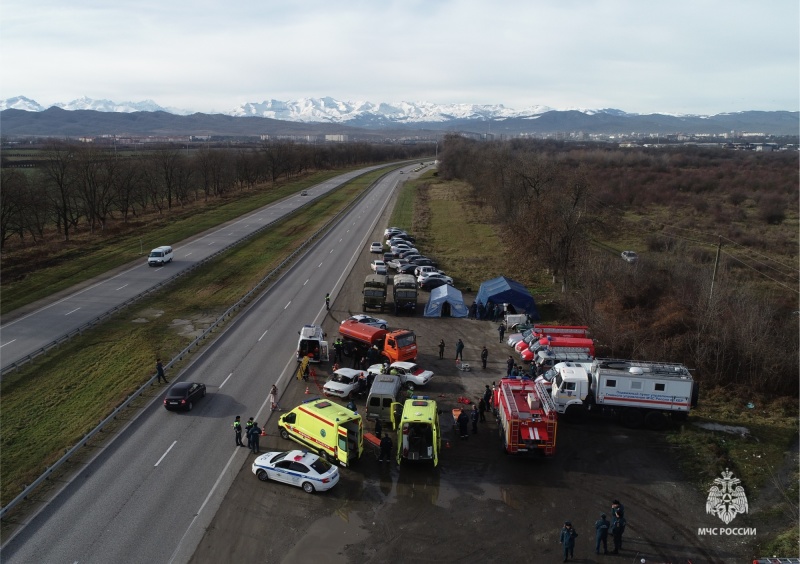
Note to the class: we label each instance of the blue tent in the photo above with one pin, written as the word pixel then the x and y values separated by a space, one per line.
pixel 446 297
pixel 503 290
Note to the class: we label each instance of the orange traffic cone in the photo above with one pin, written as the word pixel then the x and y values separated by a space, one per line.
pixel 263 433
pixel 307 392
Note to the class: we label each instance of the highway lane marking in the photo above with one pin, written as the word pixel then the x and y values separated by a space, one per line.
pixel 186 255
pixel 211 243
pixel 8 343
pixel 262 335
pixel 231 233
pixel 226 379
pixel 165 454
pixel 287 305
pixel 330 251
pixel 73 311
pixel 306 282
pixel 121 287
pixel 320 264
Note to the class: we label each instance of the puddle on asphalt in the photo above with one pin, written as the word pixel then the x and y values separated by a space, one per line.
pixel 326 539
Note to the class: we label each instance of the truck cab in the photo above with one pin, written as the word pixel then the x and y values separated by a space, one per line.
pixel 569 388
pixel 375 291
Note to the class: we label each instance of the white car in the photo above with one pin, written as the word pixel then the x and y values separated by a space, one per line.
pixel 298 468
pixel 630 256
pixel 369 320
pixel 427 268
pixel 378 265
pixel 411 374
pixel 422 278
pixel 342 383
pixel 376 247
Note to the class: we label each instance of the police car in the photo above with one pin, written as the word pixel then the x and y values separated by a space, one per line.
pixel 297 468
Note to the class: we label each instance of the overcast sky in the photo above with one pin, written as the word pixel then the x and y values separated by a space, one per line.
pixel 669 56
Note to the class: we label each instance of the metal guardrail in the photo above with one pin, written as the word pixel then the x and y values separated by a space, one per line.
pixel 244 300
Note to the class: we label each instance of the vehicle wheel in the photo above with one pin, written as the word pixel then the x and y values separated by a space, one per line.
pixel 262 475
pixel 655 420
pixel 632 418
pixel 308 487
pixel 284 434
pixel 191 405
pixel 383 326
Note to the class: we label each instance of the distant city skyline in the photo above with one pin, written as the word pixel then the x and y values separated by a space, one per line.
pixel 679 57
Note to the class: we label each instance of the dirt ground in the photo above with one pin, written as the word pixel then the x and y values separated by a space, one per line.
pixel 480 504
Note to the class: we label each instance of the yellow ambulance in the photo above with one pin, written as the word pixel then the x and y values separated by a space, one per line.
pixel 419 436
pixel 329 429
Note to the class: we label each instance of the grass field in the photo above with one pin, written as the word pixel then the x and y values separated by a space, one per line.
pixel 70 391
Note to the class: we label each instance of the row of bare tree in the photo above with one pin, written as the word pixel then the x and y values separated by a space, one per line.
pixel 743 333
pixel 78 186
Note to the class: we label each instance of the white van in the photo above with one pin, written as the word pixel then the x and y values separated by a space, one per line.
pixel 382 398
pixel 160 256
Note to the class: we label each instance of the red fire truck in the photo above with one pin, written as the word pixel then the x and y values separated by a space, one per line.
pixel 527 417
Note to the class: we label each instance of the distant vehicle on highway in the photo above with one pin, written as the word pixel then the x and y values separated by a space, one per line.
pixel 183 395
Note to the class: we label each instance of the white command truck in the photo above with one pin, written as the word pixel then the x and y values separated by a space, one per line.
pixel 636 392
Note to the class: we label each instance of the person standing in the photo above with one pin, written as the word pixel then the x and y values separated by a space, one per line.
pixel 509 366
pixel 273 398
pixel 441 348
pixel 460 350
pixel 378 427
pixel 338 348
pixel 247 427
pixel 327 301
pixel 386 448
pixel 617 528
pixel 463 422
pixel 484 356
pixel 474 416
pixel 502 330
pixel 255 435
pixel 237 429
pixel 601 534
pixel 160 371
pixel 568 535
pixel 482 409
pixel 487 396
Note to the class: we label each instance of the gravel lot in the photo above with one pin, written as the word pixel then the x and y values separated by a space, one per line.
pixel 480 504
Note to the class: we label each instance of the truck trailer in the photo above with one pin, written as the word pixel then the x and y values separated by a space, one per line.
pixel 636 392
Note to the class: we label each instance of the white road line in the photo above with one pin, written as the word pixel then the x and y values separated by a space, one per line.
pixel 73 311
pixel 287 305
pixel 262 335
pixel 211 243
pixel 330 251
pixel 306 282
pixel 226 379
pixel 121 287
pixel 231 233
pixel 186 255
pixel 320 264
pixel 8 343
pixel 165 454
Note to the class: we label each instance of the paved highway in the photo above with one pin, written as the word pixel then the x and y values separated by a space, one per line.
pixel 30 333
pixel 149 496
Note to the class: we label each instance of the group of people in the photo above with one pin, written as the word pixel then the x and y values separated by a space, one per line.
pixel 251 430
pixel 490 311
pixel 602 528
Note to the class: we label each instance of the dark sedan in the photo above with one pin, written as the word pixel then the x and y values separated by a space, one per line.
pixel 181 396
pixel 407 269
pixel 423 261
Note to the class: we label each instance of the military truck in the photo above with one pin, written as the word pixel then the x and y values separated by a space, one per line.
pixel 375 291
pixel 405 293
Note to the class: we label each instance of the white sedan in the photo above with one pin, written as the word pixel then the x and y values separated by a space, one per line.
pixel 437 275
pixel 298 468
pixel 411 374
pixel 369 320
pixel 376 247
pixel 377 265
pixel 343 383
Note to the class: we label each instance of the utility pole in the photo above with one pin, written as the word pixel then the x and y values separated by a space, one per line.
pixel 716 266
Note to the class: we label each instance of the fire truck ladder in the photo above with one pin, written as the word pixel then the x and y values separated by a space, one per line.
pixel 549 408
pixel 513 418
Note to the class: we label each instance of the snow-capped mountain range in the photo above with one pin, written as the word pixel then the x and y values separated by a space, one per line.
pixel 315 110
